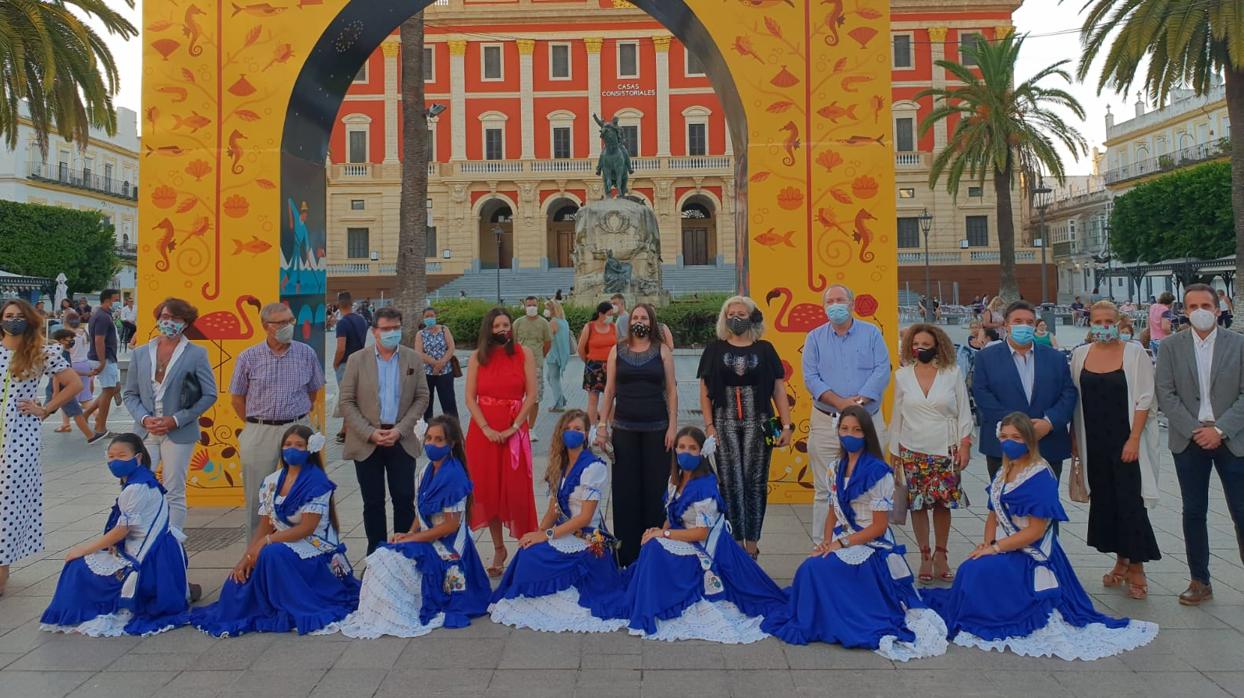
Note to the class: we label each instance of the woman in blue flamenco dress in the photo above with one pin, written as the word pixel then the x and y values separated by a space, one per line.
pixel 132 580
pixel 432 576
pixel 565 577
pixel 294 575
pixel 692 581
pixel 1017 590
pixel 855 589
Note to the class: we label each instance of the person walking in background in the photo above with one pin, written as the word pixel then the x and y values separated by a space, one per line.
pixel 993 318
pixel 1115 382
pixel 535 335
pixel 1226 309
pixel 845 362
pixel 742 387
pixel 351 331
pixel 1020 376
pixel 72 409
pixel 621 318
pixel 559 354
pixel 129 321
pixel 103 351
pixel 639 415
pixel 500 389
pixel 383 394
pixel 1043 336
pixel 596 340
pixel 434 343
pixel 24 361
pixel 1161 320
pixel 274 385
pixel 931 440
pixel 1198 383
pixel 168 386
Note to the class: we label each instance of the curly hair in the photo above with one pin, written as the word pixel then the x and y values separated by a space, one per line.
pixel 28 358
pixel 945 357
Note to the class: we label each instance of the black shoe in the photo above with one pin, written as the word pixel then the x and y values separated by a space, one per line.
pixel 196 592
pixel 99 435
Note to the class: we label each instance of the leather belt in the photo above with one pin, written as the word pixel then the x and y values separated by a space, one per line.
pixel 274 422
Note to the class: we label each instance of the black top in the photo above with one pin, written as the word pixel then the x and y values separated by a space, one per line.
pixel 639 400
pixel 353 328
pixel 724 365
pixel 101 324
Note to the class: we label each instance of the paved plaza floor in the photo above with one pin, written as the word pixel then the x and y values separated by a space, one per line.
pixel 1199 651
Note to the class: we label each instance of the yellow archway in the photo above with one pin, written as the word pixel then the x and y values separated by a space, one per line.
pixel 224 87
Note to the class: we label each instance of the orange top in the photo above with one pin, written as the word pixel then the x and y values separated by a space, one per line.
pixel 599 343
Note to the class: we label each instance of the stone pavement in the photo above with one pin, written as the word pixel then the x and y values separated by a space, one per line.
pixel 1199 651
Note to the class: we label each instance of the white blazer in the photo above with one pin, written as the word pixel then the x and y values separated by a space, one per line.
pixel 1138 369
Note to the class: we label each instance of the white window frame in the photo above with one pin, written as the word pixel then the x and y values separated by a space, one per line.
pixel 618 60
pixel 429 62
pixel 569 61
pixel 630 116
pixel 365 70
pixel 357 123
pixel 911 51
pixel 483 62
pixel 561 119
pixel 686 65
pixel 696 115
pixel 963 34
pixel 487 120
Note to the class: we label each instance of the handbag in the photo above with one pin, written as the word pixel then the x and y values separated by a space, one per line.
pixel 191 391
pixel 1077 489
pixel 898 514
pixel 455 367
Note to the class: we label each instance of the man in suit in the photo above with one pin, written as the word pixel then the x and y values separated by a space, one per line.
pixel 1200 388
pixel 383 394
pixel 1020 376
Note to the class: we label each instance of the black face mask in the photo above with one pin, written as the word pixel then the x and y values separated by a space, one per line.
pixel 924 356
pixel 640 330
pixel 500 337
pixel 14 326
pixel 738 325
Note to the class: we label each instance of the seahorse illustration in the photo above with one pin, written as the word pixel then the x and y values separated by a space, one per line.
pixel 790 143
pixel 863 235
pixel 165 244
pixel 192 30
pixel 235 151
pixel 836 18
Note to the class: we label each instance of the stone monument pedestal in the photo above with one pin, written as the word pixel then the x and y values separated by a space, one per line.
pixel 617 250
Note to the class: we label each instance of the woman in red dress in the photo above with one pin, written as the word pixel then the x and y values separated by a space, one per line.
pixel 500 391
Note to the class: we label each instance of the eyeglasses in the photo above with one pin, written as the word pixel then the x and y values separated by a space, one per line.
pixel 279 323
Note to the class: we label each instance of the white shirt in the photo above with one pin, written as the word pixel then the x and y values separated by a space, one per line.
pixel 934 423
pixel 1204 365
pixel 128 313
pixel 81 346
pixel 592 483
pixel 1026 366
pixel 324 535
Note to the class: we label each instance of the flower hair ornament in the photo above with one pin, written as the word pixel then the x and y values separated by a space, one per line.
pixel 421 428
pixel 997 430
pixel 315 444
pixel 710 447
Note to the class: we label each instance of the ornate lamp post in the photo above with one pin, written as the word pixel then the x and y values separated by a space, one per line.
pixel 498 233
pixel 926 225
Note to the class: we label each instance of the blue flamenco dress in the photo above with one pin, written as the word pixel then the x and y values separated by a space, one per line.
pixel 860 596
pixel 136 588
pixel 709 590
pixel 305 585
pixel 1029 600
pixel 566 584
pixel 410 589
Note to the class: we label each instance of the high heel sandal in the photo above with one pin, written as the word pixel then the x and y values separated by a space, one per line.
pixel 500 555
pixel 948 575
pixel 926 562
pixel 1116 576
pixel 1136 591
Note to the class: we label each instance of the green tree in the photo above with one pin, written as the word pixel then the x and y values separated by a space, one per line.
pixel 1001 130
pixel 1187 43
pixel 412 280
pixel 1182 214
pixel 45 241
pixel 59 66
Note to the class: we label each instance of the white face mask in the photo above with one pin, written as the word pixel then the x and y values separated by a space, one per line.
pixel 548 313
pixel 1202 319
pixel 531 310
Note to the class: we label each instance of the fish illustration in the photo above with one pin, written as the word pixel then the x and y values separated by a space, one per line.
pixel 771 238
pixel 836 18
pixel 304 3
pixel 861 140
pixel 849 82
pixel 878 105
pixel 863 235
pixel 833 112
pixel 195 121
pixel 201 226
pixel 255 246
pixel 165 244
pixel 179 93
pixel 191 29
pixel 259 9
pixel 790 143
pixel 169 150
pixel 766 3
pixel 235 151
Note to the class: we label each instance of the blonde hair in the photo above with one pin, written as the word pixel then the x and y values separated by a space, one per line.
pixel 758 328
pixel 555 308
pixel 559 455
pixel 945 357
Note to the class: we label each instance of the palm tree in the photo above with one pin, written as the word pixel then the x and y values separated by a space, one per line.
pixel 59 66
pixel 412 280
pixel 1188 43
pixel 1003 130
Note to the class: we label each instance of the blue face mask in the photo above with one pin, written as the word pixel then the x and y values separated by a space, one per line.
pixel 429 322
pixel 1105 334
pixel 436 453
pixel 573 439
pixel 1014 449
pixel 688 460
pixel 123 468
pixel 1022 334
pixel 838 313
pixel 390 338
pixel 295 456
pixel 1125 336
pixel 852 444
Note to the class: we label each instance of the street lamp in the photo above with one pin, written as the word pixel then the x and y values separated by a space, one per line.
pixel 1041 197
pixel 926 225
pixel 498 232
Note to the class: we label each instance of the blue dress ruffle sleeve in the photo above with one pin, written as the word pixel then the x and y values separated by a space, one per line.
pixel 1029 600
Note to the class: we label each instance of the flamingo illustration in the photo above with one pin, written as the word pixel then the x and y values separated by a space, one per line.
pixel 804 317
pixel 223 324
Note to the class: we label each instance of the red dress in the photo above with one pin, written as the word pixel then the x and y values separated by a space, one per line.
pixel 501 473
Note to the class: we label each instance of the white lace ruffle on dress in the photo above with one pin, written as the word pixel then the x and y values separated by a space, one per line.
pixel 391 577
pixel 111 625
pixel 716 621
pixel 930 640
pixel 1061 639
pixel 553 613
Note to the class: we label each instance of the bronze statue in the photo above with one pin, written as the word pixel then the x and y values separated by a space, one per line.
pixel 614 164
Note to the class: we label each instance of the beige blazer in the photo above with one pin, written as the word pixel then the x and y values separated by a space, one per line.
pixel 360 406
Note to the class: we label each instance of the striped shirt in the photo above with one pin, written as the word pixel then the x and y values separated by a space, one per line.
pixel 277 387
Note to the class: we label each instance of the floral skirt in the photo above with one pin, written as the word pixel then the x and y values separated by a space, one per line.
pixel 594 376
pixel 932 481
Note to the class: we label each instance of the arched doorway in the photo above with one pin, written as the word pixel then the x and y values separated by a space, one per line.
pixel 560 235
pixel 699 231
pixel 496 235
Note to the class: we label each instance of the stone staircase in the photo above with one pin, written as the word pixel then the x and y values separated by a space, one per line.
pixel 517 284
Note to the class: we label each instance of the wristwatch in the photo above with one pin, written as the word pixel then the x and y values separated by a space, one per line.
pixel 1220 434
pixel 549 532
pixel 665 532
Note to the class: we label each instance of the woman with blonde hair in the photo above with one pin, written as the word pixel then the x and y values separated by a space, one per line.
pixel 24 360
pixel 1115 380
pixel 931 439
pixel 994 318
pixel 742 387
pixel 559 353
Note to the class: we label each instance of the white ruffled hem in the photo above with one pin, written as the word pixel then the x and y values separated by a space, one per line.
pixel 715 621
pixel 111 625
pixel 1061 639
pixel 930 640
pixel 554 613
pixel 389 602
pixel 362 626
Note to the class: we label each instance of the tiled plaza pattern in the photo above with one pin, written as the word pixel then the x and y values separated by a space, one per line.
pixel 1199 652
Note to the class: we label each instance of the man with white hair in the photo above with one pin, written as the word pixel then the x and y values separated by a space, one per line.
pixel 274 385
pixel 845 362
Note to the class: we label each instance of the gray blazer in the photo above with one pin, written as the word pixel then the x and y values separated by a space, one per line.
pixel 139 393
pixel 1179 392
pixel 359 402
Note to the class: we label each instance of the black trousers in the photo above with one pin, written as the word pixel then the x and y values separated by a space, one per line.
pixel 394 464
pixel 441 387
pixel 641 473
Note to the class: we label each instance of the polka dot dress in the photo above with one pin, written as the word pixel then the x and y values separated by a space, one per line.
pixel 21 479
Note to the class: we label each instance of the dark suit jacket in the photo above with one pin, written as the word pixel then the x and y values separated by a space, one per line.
pixel 998 392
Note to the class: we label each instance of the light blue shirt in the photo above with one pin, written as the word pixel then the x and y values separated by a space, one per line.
pixel 854 363
pixel 559 353
pixel 1026 365
pixel 388 376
